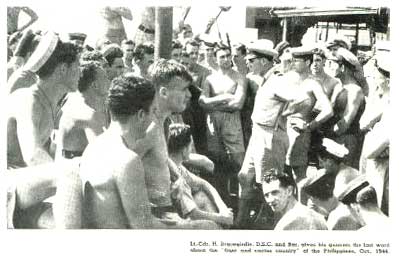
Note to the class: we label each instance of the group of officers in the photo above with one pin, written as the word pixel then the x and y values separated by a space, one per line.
pixel 248 136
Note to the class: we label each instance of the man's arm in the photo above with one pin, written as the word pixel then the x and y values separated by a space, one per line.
pixel 325 105
pixel 30 124
pixel 237 101
pixel 32 15
pixel 123 11
pixel 210 103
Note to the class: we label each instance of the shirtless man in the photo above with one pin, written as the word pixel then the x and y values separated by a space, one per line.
pixel 349 106
pixel 301 122
pixel 113 23
pixel 172 81
pixel 115 195
pixel 13 13
pixel 31 118
pixel 84 114
pixel 193 196
pixel 222 98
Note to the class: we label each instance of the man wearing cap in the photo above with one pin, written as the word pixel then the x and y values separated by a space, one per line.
pixel 288 214
pixel 32 114
pixel 84 114
pixel 337 42
pixel 114 57
pixel 222 98
pixel 361 200
pixel 330 155
pixel 375 154
pixel 284 59
pixel 259 63
pixel 113 27
pixel 269 141
pixel 77 38
pixel 301 122
pixel 348 109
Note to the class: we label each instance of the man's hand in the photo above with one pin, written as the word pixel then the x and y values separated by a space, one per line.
pixel 226 217
pixel 298 124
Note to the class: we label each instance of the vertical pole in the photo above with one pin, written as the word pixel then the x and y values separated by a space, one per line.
pixel 285 29
pixel 326 33
pixel 163 32
pixel 357 34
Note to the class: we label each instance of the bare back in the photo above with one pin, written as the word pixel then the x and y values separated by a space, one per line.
pixel 113 177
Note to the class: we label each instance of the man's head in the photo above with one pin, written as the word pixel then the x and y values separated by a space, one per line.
pixel 278 188
pixel 302 59
pixel 132 97
pixel 261 55
pixel 331 155
pixel 144 56
pixel 177 48
pixel 94 55
pixel 187 31
pixel 382 74
pixel 114 57
pixel 127 47
pixel 223 57
pixel 239 52
pixel 347 63
pixel 77 38
pixel 320 186
pixel 179 140
pixel 337 42
pixel 172 81
pixel 192 49
pixel 55 59
pixel 93 79
pixel 319 60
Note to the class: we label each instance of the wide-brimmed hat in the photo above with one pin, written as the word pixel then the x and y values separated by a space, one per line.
pixel 383 61
pixel 301 51
pixel 260 48
pixel 43 51
pixel 77 36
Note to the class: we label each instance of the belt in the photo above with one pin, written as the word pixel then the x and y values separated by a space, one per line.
pixel 146 30
pixel 71 154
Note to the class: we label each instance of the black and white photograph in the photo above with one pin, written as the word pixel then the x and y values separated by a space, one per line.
pixel 246 120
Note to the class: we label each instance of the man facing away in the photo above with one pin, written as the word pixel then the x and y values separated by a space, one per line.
pixel 113 28
pixel 115 195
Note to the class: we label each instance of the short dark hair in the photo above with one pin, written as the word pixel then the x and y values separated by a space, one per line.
pixel 320 52
pixel 220 47
pixel 192 42
pixel 162 71
pixel 367 198
pixel 127 42
pixel 284 178
pixel 176 45
pixel 242 48
pixel 88 74
pixel 178 138
pixel 63 53
pixel 127 95
pixel 141 49
pixel 111 55
pixel 93 55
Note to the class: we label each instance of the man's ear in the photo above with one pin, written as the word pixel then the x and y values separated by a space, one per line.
pixel 141 114
pixel 290 190
pixel 163 91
